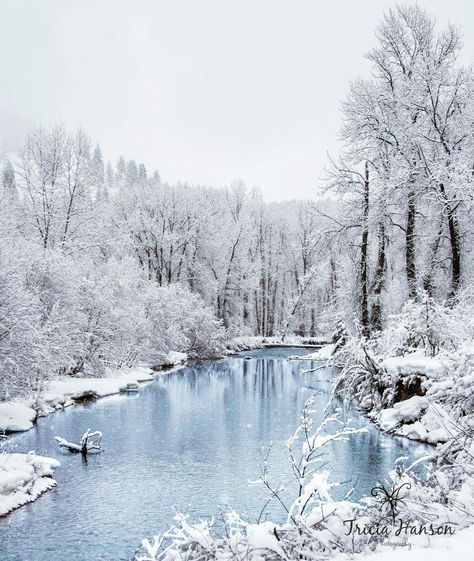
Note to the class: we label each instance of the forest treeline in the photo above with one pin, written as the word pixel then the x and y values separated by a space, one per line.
pixel 108 264
pixel 105 266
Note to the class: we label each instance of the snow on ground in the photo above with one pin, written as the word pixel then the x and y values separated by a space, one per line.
pixel 406 411
pixel 174 358
pixel 248 343
pixel 324 353
pixel 17 416
pixel 434 426
pixel 418 419
pixel 414 363
pixel 62 391
pixel 245 344
pixel 23 478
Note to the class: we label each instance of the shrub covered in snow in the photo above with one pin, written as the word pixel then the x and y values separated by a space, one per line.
pixel 180 321
pixel 426 325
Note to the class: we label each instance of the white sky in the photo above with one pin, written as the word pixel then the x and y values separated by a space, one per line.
pixel 205 91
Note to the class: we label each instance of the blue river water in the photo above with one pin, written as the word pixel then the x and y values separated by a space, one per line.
pixel 191 440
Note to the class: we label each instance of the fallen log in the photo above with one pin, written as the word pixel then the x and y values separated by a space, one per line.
pixel 89 441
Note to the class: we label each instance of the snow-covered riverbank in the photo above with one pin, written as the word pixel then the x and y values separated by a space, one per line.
pixel 23 478
pixel 20 415
pixel 249 343
pixel 419 417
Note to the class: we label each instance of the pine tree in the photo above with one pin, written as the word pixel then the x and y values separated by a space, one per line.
pixel 8 179
pixel 120 168
pixel 142 173
pixel 109 176
pixel 98 163
pixel 132 173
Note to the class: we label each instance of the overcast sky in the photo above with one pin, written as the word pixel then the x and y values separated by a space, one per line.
pixel 205 91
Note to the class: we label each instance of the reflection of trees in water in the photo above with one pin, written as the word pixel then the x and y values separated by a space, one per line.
pixel 236 393
pixel 260 379
pixel 371 455
pixel 236 402
pixel 242 405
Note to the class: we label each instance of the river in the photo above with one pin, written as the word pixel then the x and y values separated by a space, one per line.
pixel 192 440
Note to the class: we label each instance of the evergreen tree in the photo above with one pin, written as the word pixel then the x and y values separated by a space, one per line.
pixel 8 179
pixel 121 168
pixel 142 173
pixel 98 163
pixel 109 176
pixel 132 173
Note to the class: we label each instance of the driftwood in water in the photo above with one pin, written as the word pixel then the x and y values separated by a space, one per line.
pixel 90 441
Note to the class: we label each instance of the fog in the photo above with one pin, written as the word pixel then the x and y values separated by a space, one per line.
pixel 205 92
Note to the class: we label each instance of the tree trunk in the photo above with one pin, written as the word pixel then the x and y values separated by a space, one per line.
pixel 379 278
pixel 364 257
pixel 410 245
pixel 454 240
pixel 430 268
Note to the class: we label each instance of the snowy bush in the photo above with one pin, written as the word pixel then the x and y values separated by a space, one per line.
pixel 425 325
pixel 24 354
pixel 455 390
pixel 117 329
pixel 180 321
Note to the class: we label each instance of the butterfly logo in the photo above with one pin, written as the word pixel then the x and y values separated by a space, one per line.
pixel 390 498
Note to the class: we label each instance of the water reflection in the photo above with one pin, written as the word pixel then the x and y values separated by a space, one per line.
pixel 191 440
